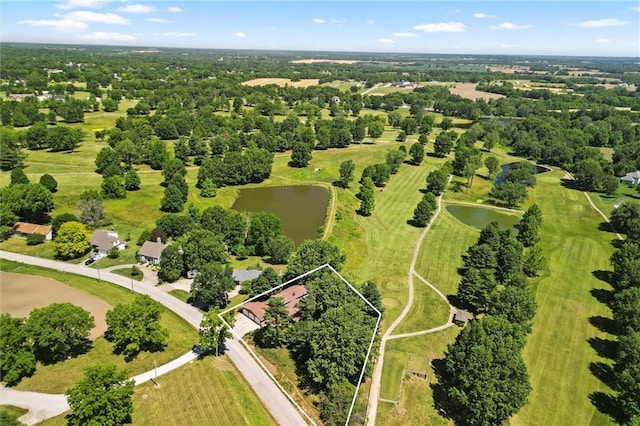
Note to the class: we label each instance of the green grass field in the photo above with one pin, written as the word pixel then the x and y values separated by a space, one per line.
pixel 58 377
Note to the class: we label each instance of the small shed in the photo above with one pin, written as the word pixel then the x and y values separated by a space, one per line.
pixel 150 252
pixel 632 178
pixel 461 317
pixel 25 228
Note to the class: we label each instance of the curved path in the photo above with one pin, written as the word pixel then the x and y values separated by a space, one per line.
pixel 275 401
pixel 619 201
pixel 376 378
pixel 483 206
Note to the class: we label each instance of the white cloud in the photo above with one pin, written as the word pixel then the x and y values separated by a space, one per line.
pixel 339 21
pixel 481 15
pixel 174 9
pixel 240 34
pixel 509 26
pixel 90 4
pixel 59 24
pixel 403 34
pixel 371 22
pixel 385 41
pixel 441 27
pixel 599 23
pixel 178 34
pixel 319 21
pixel 103 18
pixel 137 8
pixel 159 20
pixel 104 36
pixel 603 40
pixel 636 9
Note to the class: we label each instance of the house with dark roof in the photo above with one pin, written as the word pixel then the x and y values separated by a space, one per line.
pixel 102 241
pixel 461 317
pixel 632 178
pixel 150 252
pixel 25 228
pixel 256 309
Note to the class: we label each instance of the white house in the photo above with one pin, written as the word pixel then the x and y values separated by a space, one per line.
pixel 102 241
pixel 150 252
pixel 632 178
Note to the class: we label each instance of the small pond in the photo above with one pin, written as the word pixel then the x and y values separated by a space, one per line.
pixel 505 167
pixel 301 208
pixel 479 217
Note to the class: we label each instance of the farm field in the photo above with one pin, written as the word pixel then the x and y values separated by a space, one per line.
pixel 468 91
pixel 282 82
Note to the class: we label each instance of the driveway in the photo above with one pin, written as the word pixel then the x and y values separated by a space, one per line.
pixel 280 407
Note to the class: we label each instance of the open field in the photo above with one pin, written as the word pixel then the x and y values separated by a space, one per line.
pixel 319 61
pixel 20 294
pixel 58 377
pixel 468 91
pixel 282 82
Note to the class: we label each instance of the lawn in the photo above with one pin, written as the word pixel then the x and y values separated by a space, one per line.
pixel 208 391
pixel 58 377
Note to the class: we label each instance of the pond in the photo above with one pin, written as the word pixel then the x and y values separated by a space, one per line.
pixel 505 167
pixel 302 209
pixel 479 217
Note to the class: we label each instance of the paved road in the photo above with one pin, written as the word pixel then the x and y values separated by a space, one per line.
pixel 276 402
pixel 40 405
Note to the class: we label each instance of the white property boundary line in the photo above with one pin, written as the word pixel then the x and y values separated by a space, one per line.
pixel 266 370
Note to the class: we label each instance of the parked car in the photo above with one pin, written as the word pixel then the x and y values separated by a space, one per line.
pixel 89 261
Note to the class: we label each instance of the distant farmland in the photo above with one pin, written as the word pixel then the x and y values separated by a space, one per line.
pixel 282 82
pixel 468 91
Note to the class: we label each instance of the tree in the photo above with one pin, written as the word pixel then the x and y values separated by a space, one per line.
pixel 267 280
pixel 209 189
pixel 107 158
pixel 417 153
pixel 103 397
pixel 18 177
pixel 280 248
pixel 530 224
pixel 128 152
pixel 264 227
pixel 300 155
pixel 446 123
pixel 516 304
pixel 443 144
pixel 171 169
pixel 627 376
pixel 213 332
pixel 422 214
pixel 394 160
pixel 533 261
pixel 31 202
pixel 72 240
pixel 509 257
pixel 173 200
pixel 367 197
pixel 378 172
pixel 10 149
pixel 493 165
pixel 485 379
pixel 347 168
pixel 475 288
pixel 91 211
pixel 131 180
pixel 622 217
pixel 113 187
pixel 626 266
pixel 59 331
pixel 58 220
pixel 16 356
pixel 510 193
pixel 48 182
pixel 277 320
pixel 336 402
pixel 136 327
pixel 312 254
pixel 7 221
pixel 626 310
pixel 436 181
pixel 375 129
pixel 171 264
pixel 588 174
pixel 211 285
pixel 372 294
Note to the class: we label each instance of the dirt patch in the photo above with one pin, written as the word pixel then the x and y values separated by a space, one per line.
pixel 20 294
pixel 468 91
pixel 316 61
pixel 306 82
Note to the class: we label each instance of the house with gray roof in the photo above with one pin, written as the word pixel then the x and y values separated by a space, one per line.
pixel 151 251
pixel 242 275
pixel 632 178
pixel 102 241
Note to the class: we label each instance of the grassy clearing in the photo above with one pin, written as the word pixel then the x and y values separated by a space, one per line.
pixel 428 310
pixel 181 295
pixel 58 377
pixel 126 272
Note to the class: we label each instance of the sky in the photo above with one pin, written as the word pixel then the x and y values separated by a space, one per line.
pixel 574 28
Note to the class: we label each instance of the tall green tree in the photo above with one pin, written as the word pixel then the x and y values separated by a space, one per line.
pixel 211 285
pixel 300 155
pixel 367 197
pixel 171 264
pixel 59 331
pixel 280 249
pixel 103 397
pixel 627 376
pixel 422 214
pixel 312 254
pixel 49 182
pixel 347 169
pixel 277 321
pixel 626 266
pixel 530 224
pixel 493 165
pixel 136 327
pixel 417 153
pixel 17 359
pixel 18 177
pixel 436 181
pixel 213 332
pixel 394 160
pixel 31 202
pixel 72 240
pixel 263 227
pixel 202 247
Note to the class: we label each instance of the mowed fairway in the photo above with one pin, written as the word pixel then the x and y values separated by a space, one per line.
pixel 558 353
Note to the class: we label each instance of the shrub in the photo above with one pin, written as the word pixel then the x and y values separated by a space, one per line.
pixel 35 239
pixel 114 253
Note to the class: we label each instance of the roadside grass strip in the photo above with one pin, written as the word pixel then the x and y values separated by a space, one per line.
pixel 264 367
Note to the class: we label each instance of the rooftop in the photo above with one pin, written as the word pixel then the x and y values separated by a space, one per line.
pixel 31 228
pixel 291 296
